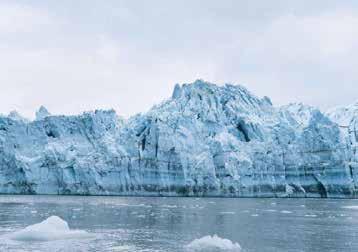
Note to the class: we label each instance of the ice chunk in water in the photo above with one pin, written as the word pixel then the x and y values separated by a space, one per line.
pixel 53 228
pixel 227 212
pixel 351 207
pixel 124 248
pixel 213 243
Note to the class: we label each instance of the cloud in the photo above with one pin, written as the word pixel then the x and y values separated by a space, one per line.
pixel 21 18
pixel 309 58
pixel 107 75
pixel 75 56
pixel 326 35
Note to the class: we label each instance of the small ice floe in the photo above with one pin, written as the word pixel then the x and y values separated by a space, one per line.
pixel 169 206
pixel 53 228
pixel 270 210
pixel 254 215
pixel 122 248
pixel 131 205
pixel 122 205
pixel 285 212
pixel 213 243
pixel 351 207
pixel 196 207
pixel 144 205
pixel 310 215
pixel 227 212
pixel 33 211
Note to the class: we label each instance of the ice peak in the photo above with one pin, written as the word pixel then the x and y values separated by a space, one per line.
pixel 206 101
pixel 298 106
pixel 176 91
pixel 301 112
pixel 343 115
pixel 354 106
pixel 198 86
pixel 14 115
pixel 42 113
pixel 206 88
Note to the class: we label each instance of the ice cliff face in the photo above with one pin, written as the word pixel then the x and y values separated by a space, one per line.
pixel 347 120
pixel 204 141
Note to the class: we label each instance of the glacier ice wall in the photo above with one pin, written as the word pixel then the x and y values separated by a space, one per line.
pixel 205 140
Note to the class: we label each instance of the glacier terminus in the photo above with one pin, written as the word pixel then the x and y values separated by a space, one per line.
pixel 206 140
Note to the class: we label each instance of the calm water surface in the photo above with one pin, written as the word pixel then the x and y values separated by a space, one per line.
pixel 168 224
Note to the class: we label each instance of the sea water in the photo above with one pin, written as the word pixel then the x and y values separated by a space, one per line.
pixel 74 223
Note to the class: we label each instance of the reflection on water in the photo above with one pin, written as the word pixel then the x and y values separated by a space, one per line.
pixel 170 224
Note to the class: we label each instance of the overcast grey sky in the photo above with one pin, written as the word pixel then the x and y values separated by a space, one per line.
pixel 73 56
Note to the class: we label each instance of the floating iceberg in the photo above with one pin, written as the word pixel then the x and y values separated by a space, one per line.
pixel 53 228
pixel 213 244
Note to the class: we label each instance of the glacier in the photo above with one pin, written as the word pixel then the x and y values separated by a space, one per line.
pixel 206 140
